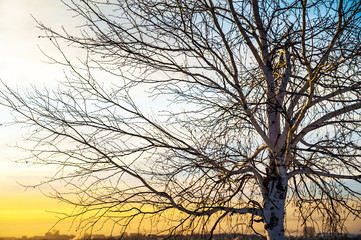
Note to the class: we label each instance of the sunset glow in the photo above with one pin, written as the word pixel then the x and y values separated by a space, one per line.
pixel 24 210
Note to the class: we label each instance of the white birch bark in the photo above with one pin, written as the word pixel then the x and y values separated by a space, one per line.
pixel 274 209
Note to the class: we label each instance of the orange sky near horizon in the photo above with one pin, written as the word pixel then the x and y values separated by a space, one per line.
pixel 29 212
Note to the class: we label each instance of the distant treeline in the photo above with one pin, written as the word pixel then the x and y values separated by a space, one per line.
pixel 136 236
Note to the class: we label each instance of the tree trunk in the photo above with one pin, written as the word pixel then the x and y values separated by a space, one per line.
pixel 274 209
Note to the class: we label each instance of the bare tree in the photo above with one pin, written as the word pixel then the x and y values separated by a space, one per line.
pixel 264 110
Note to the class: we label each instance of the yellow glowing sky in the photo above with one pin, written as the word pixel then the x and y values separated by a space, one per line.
pixel 27 212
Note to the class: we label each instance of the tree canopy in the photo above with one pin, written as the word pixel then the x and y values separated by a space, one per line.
pixel 263 111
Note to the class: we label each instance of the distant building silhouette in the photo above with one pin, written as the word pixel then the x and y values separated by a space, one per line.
pixel 309 232
pixel 53 235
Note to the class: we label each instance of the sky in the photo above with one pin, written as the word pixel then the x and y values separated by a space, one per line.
pixel 27 211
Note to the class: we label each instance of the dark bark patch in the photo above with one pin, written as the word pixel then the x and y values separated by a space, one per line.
pixel 273 222
pixel 279 186
pixel 281 190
